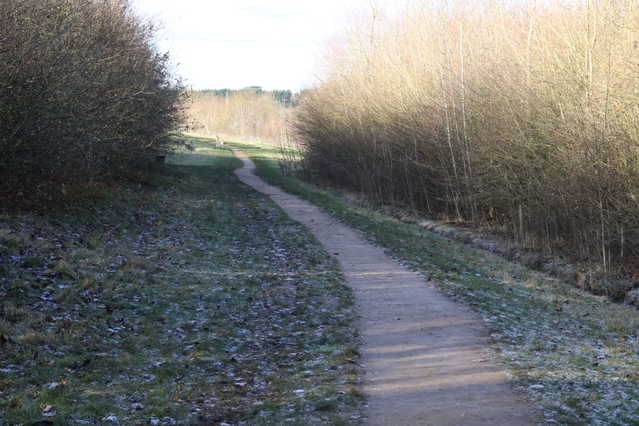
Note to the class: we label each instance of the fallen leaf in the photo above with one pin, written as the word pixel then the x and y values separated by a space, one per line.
pixel 4 339
pixel 352 361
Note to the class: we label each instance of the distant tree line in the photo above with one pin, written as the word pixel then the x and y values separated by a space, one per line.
pixel 250 112
pixel 285 97
pixel 522 115
pixel 83 92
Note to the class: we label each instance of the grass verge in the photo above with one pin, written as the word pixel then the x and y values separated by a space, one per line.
pixel 574 353
pixel 191 301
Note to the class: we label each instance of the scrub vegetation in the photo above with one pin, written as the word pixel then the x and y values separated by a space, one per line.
pixel 519 116
pixel 251 113
pixel 84 96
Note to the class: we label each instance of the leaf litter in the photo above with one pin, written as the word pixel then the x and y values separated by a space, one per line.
pixel 195 301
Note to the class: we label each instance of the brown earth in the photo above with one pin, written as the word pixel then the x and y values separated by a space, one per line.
pixel 424 357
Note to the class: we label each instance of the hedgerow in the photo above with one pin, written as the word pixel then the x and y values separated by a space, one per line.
pixel 517 115
pixel 84 92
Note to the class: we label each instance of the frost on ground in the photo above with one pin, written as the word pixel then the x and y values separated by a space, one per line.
pixel 193 301
pixel 575 354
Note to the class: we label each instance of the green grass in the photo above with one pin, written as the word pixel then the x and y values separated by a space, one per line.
pixel 191 300
pixel 574 353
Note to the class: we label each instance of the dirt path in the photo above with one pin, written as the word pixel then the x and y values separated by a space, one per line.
pixel 424 355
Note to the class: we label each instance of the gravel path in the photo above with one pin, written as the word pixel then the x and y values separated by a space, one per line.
pixel 424 357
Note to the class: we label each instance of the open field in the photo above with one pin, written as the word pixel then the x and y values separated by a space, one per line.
pixel 576 354
pixel 192 299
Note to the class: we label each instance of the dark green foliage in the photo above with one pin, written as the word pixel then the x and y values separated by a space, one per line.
pixel 284 96
pixel 83 92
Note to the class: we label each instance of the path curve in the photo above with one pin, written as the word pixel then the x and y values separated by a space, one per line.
pixel 424 356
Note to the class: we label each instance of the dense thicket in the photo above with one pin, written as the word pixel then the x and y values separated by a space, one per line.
pixel 525 113
pixel 251 112
pixel 83 91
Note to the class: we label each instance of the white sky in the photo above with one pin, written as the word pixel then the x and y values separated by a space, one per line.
pixel 238 43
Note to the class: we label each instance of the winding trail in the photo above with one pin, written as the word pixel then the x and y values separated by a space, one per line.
pixel 424 356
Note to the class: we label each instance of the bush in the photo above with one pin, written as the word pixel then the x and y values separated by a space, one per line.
pixel 522 114
pixel 83 92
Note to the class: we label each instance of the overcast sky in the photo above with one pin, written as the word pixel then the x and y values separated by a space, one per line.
pixel 239 43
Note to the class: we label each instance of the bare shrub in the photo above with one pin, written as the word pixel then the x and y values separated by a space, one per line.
pixel 83 92
pixel 522 115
